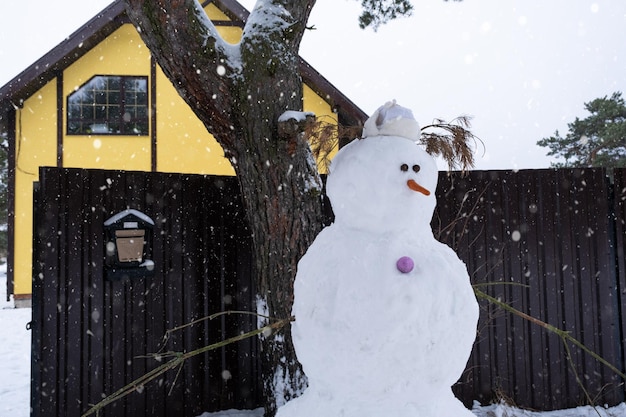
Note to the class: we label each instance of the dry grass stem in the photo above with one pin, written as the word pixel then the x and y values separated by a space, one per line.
pixel 452 141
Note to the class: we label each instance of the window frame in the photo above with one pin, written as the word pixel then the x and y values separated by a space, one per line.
pixel 115 111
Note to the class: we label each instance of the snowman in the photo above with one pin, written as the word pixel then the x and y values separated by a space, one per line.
pixel 385 314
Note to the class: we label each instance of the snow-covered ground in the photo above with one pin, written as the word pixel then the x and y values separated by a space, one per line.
pixel 15 374
pixel 14 356
pixel 494 410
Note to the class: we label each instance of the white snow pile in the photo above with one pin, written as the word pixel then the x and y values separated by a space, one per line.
pixel 235 413
pixel 392 120
pixel 504 410
pixel 494 410
pixel 298 116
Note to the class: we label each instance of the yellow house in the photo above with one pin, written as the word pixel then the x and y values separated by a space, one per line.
pixel 99 100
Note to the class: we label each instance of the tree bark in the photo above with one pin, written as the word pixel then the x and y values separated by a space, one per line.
pixel 239 92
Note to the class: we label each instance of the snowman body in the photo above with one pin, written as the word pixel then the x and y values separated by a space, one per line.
pixel 374 338
pixel 396 341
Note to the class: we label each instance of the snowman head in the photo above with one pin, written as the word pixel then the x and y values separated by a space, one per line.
pixel 384 182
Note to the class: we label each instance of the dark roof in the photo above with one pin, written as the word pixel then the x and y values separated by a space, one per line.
pixel 63 55
pixel 111 18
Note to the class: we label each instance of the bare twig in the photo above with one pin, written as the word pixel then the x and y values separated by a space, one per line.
pixel 177 362
pixel 563 334
pixel 453 141
pixel 167 334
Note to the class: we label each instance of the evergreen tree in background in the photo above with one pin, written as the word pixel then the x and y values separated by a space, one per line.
pixel 598 140
pixel 378 12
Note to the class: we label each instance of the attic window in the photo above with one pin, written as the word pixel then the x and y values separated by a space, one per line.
pixel 109 105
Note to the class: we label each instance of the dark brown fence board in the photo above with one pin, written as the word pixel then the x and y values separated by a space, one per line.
pixel 619 204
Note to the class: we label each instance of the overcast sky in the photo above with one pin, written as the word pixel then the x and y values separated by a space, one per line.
pixel 521 68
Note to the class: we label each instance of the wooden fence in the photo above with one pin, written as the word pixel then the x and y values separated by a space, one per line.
pixel 91 336
pixel 548 242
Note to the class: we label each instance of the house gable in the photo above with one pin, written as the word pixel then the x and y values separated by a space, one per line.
pixel 122 53
pixel 34 116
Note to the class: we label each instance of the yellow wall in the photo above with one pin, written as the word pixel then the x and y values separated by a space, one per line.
pixel 230 34
pixel 314 103
pixel 35 146
pixel 183 144
pixel 122 53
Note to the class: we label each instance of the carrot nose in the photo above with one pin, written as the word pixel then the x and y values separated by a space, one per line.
pixel 416 187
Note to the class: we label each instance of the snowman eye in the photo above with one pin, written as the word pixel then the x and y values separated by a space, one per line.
pixel 416 168
pixel 404 167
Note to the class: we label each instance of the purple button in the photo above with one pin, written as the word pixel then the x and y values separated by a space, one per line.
pixel 405 264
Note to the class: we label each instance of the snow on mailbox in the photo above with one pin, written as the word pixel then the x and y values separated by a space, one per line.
pixel 128 245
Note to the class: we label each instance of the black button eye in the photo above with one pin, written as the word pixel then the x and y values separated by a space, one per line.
pixel 404 167
pixel 416 168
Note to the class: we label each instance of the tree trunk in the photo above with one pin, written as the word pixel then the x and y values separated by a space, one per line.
pixel 239 92
pixel 283 203
pixel 282 190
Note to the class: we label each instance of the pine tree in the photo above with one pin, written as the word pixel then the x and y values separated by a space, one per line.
pixel 598 140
